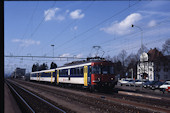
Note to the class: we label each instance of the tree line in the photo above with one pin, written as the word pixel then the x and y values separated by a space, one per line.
pixel 44 66
pixel 124 63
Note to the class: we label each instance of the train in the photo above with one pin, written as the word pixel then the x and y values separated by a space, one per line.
pixel 92 75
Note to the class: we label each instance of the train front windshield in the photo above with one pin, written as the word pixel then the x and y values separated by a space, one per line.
pixel 101 69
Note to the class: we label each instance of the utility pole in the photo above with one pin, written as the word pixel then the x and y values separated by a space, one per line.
pixel 132 72
pixel 53 51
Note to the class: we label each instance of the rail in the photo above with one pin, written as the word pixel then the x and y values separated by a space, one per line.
pixel 36 97
pixel 20 98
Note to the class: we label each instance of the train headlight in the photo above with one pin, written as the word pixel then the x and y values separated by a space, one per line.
pixel 95 81
pixel 98 79
pixel 111 78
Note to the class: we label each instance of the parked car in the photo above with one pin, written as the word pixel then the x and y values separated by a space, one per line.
pixel 156 85
pixel 131 83
pixel 165 85
pixel 138 82
pixel 123 82
pixel 147 84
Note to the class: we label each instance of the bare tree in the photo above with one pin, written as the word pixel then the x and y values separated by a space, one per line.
pixel 108 58
pixel 145 49
pixel 122 55
pixel 115 59
pixel 131 59
pixel 166 47
pixel 131 64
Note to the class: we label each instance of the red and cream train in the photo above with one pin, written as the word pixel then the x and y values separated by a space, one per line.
pixel 91 74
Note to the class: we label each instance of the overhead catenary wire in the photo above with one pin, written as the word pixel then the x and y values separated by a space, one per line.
pixel 91 28
pixel 35 30
pixel 31 18
pixel 38 26
pixel 164 21
pixel 135 47
pixel 33 13
pixel 53 40
pixel 87 37
pixel 131 35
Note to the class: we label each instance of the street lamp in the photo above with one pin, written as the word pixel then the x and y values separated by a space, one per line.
pixel 141 48
pixel 141 36
pixel 53 50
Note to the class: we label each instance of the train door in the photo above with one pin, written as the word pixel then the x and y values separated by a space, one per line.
pixel 52 77
pixel 68 74
pixel 85 75
pixel 37 76
pixel 55 76
pixel 89 75
pixel 58 76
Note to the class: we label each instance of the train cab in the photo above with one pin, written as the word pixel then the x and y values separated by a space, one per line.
pixel 102 75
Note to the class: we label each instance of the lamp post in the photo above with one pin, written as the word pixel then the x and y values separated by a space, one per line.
pixel 53 50
pixel 141 36
pixel 141 49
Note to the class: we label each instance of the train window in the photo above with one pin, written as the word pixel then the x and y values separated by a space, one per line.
pixel 73 71
pixel 45 74
pixel 81 70
pixel 66 71
pixel 96 69
pixel 90 69
pixel 102 69
pixel 111 70
pixel 77 71
pixel 105 70
pixel 63 72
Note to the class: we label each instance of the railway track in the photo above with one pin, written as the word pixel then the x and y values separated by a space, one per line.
pixel 154 100
pixel 31 103
pixel 100 103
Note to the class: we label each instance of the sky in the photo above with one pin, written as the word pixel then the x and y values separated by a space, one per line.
pixel 74 27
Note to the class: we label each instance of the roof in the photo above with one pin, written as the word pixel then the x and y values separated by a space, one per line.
pixel 154 54
pixel 49 70
pixel 82 63
pixel 73 66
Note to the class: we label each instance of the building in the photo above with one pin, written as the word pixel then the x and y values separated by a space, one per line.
pixel 19 72
pixel 153 66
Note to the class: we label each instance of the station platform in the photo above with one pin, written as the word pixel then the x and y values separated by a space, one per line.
pixel 10 103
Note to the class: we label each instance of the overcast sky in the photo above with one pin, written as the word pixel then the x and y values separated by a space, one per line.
pixel 74 27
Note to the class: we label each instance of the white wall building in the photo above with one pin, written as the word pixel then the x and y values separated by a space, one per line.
pixel 152 68
pixel 145 68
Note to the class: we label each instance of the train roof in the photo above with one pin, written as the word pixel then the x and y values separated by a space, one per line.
pixel 79 64
pixel 49 70
pixel 72 65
